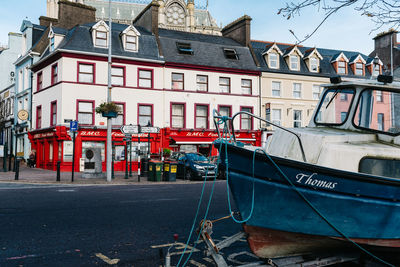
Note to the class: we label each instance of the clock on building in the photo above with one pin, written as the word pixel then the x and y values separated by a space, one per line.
pixel 175 15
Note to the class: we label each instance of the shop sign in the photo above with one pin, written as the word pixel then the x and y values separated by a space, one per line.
pixel 43 135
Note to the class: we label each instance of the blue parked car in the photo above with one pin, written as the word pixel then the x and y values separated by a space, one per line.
pixel 194 166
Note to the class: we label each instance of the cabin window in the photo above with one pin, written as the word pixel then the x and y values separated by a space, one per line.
pixel 332 110
pixel 372 115
pixel 380 167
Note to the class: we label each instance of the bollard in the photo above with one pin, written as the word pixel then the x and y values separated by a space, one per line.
pixel 16 169
pixel 58 170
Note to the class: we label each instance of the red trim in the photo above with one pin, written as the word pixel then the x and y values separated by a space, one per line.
pixel 53 123
pixel 39 125
pixel 152 112
pixel 211 69
pixel 123 110
pixel 53 80
pixel 39 81
pixel 152 78
pixel 251 118
pixel 183 81
pixel 184 113
pixel 77 110
pixel 123 73
pixel 86 63
pixel 251 86
pixel 195 115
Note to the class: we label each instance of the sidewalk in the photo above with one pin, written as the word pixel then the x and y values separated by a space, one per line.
pixel 42 176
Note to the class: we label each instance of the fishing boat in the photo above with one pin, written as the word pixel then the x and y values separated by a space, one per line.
pixel 331 185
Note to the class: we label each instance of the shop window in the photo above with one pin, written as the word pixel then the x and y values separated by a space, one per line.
pixel 276 89
pixel 38 117
pixel 145 78
pixel 85 114
pixel 39 81
pixel 201 120
pixel 178 115
pixel 202 83
pixel 67 151
pixel 297 118
pixel 246 121
pixel 145 114
pixel 53 113
pixel 117 76
pixel 246 87
pixel 50 151
pixel 297 90
pixel 54 74
pixel 224 85
pixel 177 81
pixel 86 72
pixel 120 119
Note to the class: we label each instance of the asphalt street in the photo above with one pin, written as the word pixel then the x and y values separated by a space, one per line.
pixel 103 225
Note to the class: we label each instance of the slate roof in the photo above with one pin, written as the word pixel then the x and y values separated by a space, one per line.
pixel 79 38
pixel 326 68
pixel 208 50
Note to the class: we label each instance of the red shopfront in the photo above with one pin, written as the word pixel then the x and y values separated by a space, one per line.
pixel 55 144
pixel 201 140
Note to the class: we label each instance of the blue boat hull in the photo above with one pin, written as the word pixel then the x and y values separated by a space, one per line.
pixel 341 204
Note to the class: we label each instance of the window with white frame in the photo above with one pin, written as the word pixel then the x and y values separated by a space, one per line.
pixel 246 120
pixel 101 38
pixel 376 69
pixel 145 115
pixel 131 43
pixel 359 69
pixel 297 118
pixel 119 120
pixel 273 60
pixel 39 81
pixel 86 73
pixel 379 96
pixel 314 64
pixel 341 67
pixel 276 89
pixel 202 83
pixel 316 91
pixel 201 117
pixel 145 78
pixel 117 76
pixel 246 87
pixel 52 46
pixel 297 90
pixel 276 115
pixel 381 122
pixel 294 62
pixel 54 74
pixel 178 116
pixel 224 85
pixel 53 113
pixel 85 112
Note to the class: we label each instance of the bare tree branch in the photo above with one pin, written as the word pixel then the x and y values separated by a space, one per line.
pixel 382 12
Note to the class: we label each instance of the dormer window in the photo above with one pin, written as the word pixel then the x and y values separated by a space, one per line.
pixel 359 69
pixel 230 54
pixel 131 43
pixel 341 69
pixel 294 62
pixel 314 64
pixel 377 70
pixel 184 48
pixel 130 39
pixel 101 39
pixel 52 43
pixel 273 61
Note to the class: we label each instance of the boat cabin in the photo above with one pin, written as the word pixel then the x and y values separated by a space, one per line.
pixel 355 127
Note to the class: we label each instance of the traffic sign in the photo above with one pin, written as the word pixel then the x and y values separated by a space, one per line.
pixel 130 129
pixel 73 126
pixel 147 129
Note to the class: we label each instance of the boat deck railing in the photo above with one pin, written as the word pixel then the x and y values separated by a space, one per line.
pixel 231 130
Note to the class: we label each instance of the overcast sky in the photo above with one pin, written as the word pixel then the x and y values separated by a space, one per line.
pixel 346 30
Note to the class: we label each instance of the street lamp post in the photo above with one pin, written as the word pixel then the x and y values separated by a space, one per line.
pixel 109 119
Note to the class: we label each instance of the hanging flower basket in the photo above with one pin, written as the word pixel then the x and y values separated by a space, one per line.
pixel 108 110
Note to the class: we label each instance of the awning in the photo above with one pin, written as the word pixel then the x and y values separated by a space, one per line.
pixel 179 140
